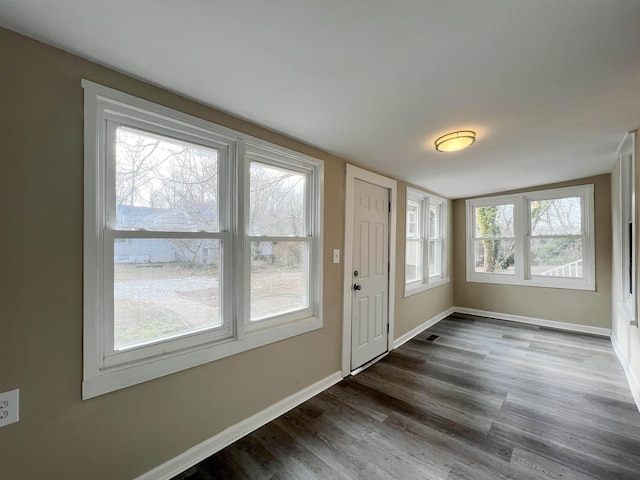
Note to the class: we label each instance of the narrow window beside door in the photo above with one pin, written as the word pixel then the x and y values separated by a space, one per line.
pixel 425 247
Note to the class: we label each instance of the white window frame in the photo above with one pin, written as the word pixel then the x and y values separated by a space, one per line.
pixel 522 236
pixel 441 208
pixel 311 237
pixel 106 369
pixel 628 252
pixel 427 280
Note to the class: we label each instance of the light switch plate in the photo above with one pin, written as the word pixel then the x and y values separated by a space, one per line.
pixel 336 255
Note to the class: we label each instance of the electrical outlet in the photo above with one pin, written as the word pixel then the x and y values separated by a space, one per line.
pixel 9 407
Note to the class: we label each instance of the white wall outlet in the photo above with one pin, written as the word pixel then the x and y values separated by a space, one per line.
pixel 336 255
pixel 9 407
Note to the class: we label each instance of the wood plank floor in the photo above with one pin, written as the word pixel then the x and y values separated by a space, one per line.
pixel 470 398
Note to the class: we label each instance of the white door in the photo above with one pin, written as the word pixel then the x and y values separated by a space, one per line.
pixel 370 280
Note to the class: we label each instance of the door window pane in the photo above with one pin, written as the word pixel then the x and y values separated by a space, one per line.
pixel 164 184
pixel 164 288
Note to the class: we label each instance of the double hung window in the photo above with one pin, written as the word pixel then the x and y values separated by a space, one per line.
pixel 280 240
pixel 167 235
pixel 425 242
pixel 198 241
pixel 542 238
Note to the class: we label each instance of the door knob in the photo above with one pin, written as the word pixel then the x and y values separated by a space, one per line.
pixel 357 287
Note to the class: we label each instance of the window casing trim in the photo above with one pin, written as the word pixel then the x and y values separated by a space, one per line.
pixel 106 370
pixel 522 236
pixel 628 252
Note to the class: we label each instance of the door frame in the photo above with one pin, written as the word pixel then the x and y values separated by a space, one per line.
pixel 352 174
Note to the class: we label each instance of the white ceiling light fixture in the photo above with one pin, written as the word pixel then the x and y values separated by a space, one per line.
pixel 454 141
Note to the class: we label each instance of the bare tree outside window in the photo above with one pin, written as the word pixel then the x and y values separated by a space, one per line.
pixel 279 280
pixel 556 237
pixel 200 242
pixel 164 286
pixel 495 247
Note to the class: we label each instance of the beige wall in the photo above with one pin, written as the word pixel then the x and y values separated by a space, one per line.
pixel 126 433
pixel 625 335
pixel 412 311
pixel 569 306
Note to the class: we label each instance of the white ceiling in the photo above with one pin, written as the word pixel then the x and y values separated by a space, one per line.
pixel 550 86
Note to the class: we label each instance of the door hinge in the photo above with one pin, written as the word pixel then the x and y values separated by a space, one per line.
pixel 388 327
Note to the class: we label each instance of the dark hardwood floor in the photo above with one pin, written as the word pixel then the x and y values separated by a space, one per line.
pixel 470 398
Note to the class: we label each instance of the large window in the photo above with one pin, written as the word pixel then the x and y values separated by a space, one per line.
pixel 542 238
pixel 425 242
pixel 200 242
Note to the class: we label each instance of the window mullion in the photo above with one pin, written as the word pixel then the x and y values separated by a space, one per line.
pixel 424 233
pixel 242 246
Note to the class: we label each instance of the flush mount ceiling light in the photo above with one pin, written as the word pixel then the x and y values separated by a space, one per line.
pixel 454 141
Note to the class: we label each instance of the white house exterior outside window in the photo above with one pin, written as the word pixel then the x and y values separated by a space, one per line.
pixel 425 252
pixel 199 241
pixel 542 238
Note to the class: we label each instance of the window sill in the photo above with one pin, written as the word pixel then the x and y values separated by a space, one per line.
pixel 122 376
pixel 418 287
pixel 556 283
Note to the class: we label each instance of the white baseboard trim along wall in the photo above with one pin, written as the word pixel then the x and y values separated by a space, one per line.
pixel 634 384
pixel 426 324
pixel 571 327
pixel 235 432
pixel 216 443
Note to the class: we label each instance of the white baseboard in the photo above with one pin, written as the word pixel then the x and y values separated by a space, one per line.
pixel 634 384
pixel 235 432
pixel 571 327
pixel 221 440
pixel 426 324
